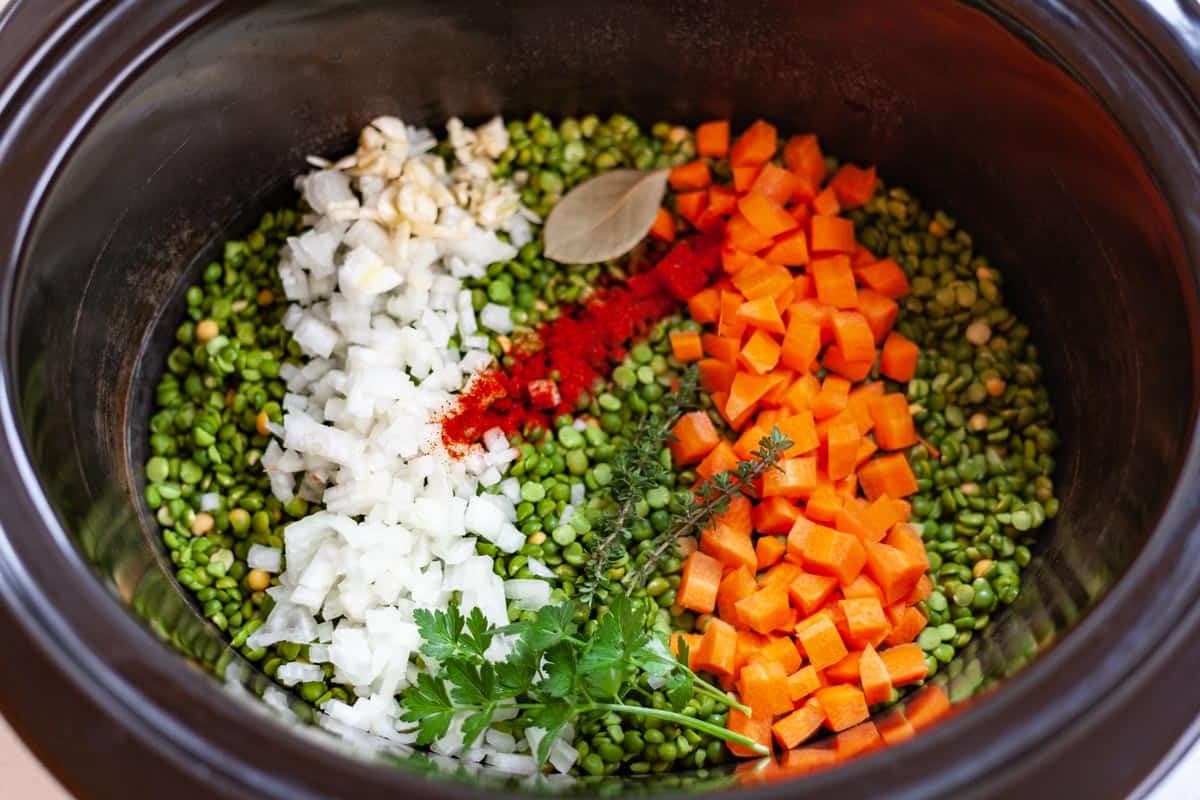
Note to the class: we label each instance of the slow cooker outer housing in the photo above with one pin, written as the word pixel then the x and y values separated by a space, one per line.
pixel 134 134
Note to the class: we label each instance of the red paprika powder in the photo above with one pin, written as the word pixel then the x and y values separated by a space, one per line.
pixel 564 358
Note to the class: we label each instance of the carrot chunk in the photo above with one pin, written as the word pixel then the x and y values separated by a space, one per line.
pixel 894 429
pixel 905 664
pixel 854 741
pixel 695 435
pixel 717 651
pixel 686 347
pixel 844 706
pixel 885 277
pixel 808 592
pixel 793 478
pixel 760 354
pixel 820 640
pixel 799 725
pixel 755 146
pixel 736 585
pixel 775 183
pixel 664 226
pixel 775 515
pixel 830 552
pixel 853 185
pixel 803 682
pixel 761 313
pixel 767 216
pixel 899 358
pixel 835 281
pixel 699 583
pixel 854 336
pixel 762 685
pixel 867 623
pixel 890 475
pixel 712 138
pixel 831 234
pixel 757 729
pixel 766 610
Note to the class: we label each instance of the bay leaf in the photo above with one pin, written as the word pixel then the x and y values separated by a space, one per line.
pixel 604 217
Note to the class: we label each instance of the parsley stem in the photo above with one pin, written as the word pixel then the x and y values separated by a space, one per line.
pixel 701 685
pixel 679 719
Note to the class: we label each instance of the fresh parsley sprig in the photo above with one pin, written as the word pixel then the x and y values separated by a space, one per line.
pixel 552 674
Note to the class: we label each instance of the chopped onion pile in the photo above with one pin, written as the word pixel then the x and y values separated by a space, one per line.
pixel 378 307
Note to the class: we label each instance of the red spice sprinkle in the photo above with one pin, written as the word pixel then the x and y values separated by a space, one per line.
pixel 565 358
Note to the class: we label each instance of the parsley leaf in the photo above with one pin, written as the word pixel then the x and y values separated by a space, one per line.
pixel 551 626
pixel 479 633
pixel 427 704
pixel 439 632
pixel 473 685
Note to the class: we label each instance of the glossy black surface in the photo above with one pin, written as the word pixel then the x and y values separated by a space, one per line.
pixel 134 135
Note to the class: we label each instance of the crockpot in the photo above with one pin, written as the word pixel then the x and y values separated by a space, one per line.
pixel 136 134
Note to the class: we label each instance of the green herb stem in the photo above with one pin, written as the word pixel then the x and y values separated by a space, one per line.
pixel 681 719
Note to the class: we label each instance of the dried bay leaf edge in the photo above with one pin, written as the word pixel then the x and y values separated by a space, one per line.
pixel 604 217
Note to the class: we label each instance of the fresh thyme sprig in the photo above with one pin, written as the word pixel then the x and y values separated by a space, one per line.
pixel 551 676
pixel 637 468
pixel 712 498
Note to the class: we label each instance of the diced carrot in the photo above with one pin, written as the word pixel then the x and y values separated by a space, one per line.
pixel 820 640
pixel 854 336
pixel 766 610
pixel 776 183
pixel 782 650
pixel 823 504
pixel 858 401
pixel 664 226
pixel 717 651
pixel 832 399
pixel 744 177
pixel 843 705
pixel 890 475
pixel 906 626
pixel 847 487
pixel 885 277
pixel 722 348
pixel 867 623
pixel 699 582
pixel 880 312
pixel 905 664
pixel 769 550
pixel 790 248
pixel 885 512
pixel 705 305
pixel 748 645
pixel 736 585
pixel 720 459
pixel 813 311
pixel 866 449
pixel 798 538
pixel 775 515
pixel 762 685
pixel 781 575
pixel 799 725
pixel 830 552
pixel 808 759
pixel 808 592
pixel 760 279
pixel 846 670
pixel 801 431
pixel 907 540
pixel 722 201
pixel 894 429
pixel 853 185
pixel 690 205
pixel 927 706
pixel 685 346
pixel 756 729
pixel 893 570
pixel 835 281
pixel 793 477
pixel 899 358
pixel 921 591
pixel 695 436
pixel 734 260
pixel 853 518
pixel 760 354
pixel 728 325
pixel 826 203
pixel 741 234
pixel 801 344
pixel 768 217
pixel 863 587
pixel 895 728
pixel 803 682
pixel 745 391
pixel 731 547
pixel 861 738
pixel 831 234
pixel 836 362
pixel 761 313
pixel 843 449
pixel 749 441
pixel 798 396
pixel 716 376
pixel 690 176
pixel 755 146
pixel 802 154
pixel 712 138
